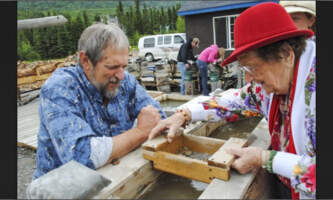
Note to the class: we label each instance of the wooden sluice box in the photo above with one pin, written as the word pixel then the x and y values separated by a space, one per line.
pixel 167 157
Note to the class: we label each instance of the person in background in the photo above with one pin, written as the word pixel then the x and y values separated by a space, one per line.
pixel 303 14
pixel 282 64
pixel 186 53
pixel 211 54
pixel 87 112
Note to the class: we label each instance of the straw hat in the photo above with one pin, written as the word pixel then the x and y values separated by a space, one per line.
pixel 196 41
pixel 261 25
pixel 300 6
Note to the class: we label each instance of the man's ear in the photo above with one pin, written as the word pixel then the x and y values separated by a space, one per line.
pixel 84 60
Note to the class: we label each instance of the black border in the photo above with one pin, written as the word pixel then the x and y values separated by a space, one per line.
pixel 324 102
pixel 8 36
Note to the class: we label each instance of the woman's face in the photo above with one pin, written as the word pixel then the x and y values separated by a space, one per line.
pixel 301 21
pixel 275 76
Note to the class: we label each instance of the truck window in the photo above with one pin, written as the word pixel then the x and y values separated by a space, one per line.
pixel 178 39
pixel 160 40
pixel 167 39
pixel 148 42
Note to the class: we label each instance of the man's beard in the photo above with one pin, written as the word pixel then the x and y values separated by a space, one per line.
pixel 103 88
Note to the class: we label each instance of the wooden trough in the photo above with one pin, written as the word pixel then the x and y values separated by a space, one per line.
pixel 166 156
pixel 134 175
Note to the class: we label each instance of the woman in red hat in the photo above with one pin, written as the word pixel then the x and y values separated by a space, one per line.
pixel 282 65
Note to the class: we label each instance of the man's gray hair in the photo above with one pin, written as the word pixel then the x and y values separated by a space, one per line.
pixel 97 37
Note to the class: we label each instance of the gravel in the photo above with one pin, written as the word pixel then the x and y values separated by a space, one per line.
pixel 26 164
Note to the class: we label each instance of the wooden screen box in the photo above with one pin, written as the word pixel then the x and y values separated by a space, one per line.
pixel 169 157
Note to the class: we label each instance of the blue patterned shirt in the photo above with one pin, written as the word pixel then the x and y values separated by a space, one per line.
pixel 72 117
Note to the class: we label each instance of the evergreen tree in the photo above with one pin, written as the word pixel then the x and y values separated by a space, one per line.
pixel 78 28
pixel 180 25
pixel 146 20
pixel 97 18
pixel 138 20
pixel 174 18
pixel 86 21
pixel 52 50
pixel 62 38
pixel 163 20
pixel 24 49
pixel 170 19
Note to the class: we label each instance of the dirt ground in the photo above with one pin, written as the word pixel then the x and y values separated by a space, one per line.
pixel 26 164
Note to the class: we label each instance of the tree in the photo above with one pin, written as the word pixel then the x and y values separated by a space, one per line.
pixel 24 49
pixel 146 21
pixel 86 21
pixel 180 24
pixel 77 29
pixel 138 20
pixel 163 21
pixel 97 18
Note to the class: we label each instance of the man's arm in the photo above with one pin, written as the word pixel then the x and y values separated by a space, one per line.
pixel 127 141
pixel 74 139
pixel 139 98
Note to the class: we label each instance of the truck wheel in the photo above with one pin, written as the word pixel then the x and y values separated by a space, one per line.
pixel 149 57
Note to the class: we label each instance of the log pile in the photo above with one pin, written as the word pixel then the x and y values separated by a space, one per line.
pixel 31 76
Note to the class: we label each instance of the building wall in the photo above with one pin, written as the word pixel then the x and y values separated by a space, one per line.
pixel 201 26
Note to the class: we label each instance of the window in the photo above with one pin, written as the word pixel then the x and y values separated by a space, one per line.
pixel 223 30
pixel 160 40
pixel 148 42
pixel 167 39
pixel 178 39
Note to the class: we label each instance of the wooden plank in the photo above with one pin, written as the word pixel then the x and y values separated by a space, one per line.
pixel 160 143
pixel 188 167
pixel 238 185
pixel 221 158
pixel 204 128
pixel 129 178
pixel 202 144
pixel 32 79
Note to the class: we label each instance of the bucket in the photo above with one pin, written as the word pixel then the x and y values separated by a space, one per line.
pixel 214 76
pixel 188 76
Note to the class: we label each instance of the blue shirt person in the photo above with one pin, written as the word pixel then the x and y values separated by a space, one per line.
pixel 87 112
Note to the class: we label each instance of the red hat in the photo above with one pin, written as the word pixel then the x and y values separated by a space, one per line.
pixel 260 25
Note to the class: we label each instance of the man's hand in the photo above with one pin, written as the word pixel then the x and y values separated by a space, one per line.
pixel 247 158
pixel 148 118
pixel 187 66
pixel 173 123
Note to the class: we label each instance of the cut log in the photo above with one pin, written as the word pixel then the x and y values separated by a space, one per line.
pixel 41 22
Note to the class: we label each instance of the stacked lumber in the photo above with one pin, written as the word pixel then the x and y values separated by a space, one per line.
pixel 31 76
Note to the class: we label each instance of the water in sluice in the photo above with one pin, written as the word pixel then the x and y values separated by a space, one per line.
pixel 170 186
pixel 240 129
pixel 171 103
pixel 169 106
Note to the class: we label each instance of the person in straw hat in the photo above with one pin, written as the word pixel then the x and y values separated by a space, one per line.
pixel 303 13
pixel 282 64
pixel 185 54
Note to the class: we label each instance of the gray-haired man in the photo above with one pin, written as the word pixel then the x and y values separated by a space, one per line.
pixel 87 111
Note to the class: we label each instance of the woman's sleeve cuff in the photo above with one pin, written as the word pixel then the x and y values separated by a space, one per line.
pixel 283 163
pixel 197 112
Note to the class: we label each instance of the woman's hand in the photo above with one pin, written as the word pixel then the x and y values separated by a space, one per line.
pixel 173 123
pixel 247 158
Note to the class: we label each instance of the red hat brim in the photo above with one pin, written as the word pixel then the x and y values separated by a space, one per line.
pixel 265 41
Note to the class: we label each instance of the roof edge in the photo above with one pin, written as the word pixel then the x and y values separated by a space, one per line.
pixel 221 8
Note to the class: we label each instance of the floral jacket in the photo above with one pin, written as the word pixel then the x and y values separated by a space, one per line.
pixel 300 168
